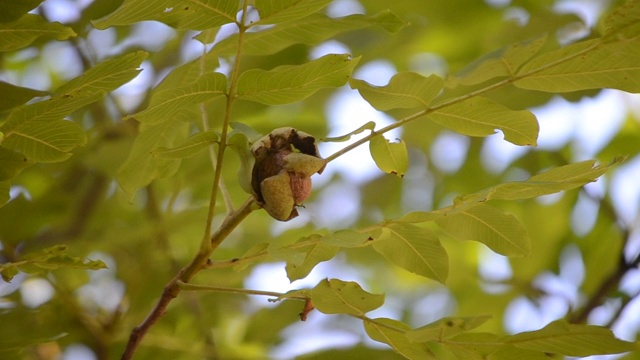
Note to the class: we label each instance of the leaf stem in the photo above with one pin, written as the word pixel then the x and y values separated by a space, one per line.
pixel 233 86
pixel 456 100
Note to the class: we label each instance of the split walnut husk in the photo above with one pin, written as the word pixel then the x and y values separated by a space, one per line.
pixel 285 159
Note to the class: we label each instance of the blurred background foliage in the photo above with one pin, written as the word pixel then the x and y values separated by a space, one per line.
pixel 578 237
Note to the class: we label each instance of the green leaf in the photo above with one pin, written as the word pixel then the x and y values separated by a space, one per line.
pixel 180 14
pixel 446 328
pixel 565 177
pixel 501 63
pixel 567 339
pixel 501 232
pixel 52 258
pixel 13 96
pixel 314 254
pixel 368 126
pixel 22 32
pixel 478 116
pixel 591 64
pixel 104 77
pixel 141 168
pixel 167 104
pixel 188 148
pixel 12 10
pixel 11 163
pixel 390 157
pixel 272 12
pixel 393 333
pixel 415 249
pixel 623 20
pixel 344 297
pixel 406 90
pixel 291 83
pixel 239 143
pixel 5 186
pixel 37 131
pixel 310 30
pixel 46 141
pixel 350 238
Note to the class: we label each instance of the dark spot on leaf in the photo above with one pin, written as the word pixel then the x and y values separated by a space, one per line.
pixel 449 323
pixel 235 260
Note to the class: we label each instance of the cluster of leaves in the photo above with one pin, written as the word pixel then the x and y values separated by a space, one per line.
pixel 196 107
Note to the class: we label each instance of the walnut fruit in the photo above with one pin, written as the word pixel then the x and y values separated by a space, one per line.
pixel 285 159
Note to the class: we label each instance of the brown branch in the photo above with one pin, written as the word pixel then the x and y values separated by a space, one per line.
pixel 172 289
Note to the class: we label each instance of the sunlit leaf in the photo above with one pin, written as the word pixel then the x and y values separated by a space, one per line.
pixel 446 328
pixel 104 77
pixel 288 84
pixel 391 157
pixel 13 96
pixel 239 143
pixel 478 116
pixel 393 333
pixel 405 90
pixel 23 31
pixel 272 12
pixel 46 141
pixel 350 238
pixel 189 147
pixel 314 254
pixel 501 63
pixel 167 104
pixel 415 249
pixel 567 339
pixel 141 167
pixel 623 20
pixel 501 232
pixel 52 258
pixel 310 30
pixel 344 297
pixel 590 64
pixel 180 14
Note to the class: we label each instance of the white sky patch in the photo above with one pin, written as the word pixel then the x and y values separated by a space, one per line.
pixel 35 292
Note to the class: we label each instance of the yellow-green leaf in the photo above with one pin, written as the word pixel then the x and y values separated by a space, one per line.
pixel 414 249
pixel 446 328
pixel 405 90
pixel 167 104
pixel 272 12
pixel 344 297
pixel 13 10
pixel 391 157
pixel 313 255
pixel 46 141
pixel 500 63
pixel 42 261
pixel 393 333
pixel 591 64
pixel 141 168
pixel 501 232
pixel 288 84
pixel 180 14
pixel 23 31
pixel 567 339
pixel 310 30
pixel 11 162
pixel 13 96
pixel 188 148
pixel 480 116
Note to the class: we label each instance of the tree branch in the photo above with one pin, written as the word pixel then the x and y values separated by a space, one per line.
pixel 172 289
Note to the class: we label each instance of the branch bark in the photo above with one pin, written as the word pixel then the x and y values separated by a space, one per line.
pixel 172 289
